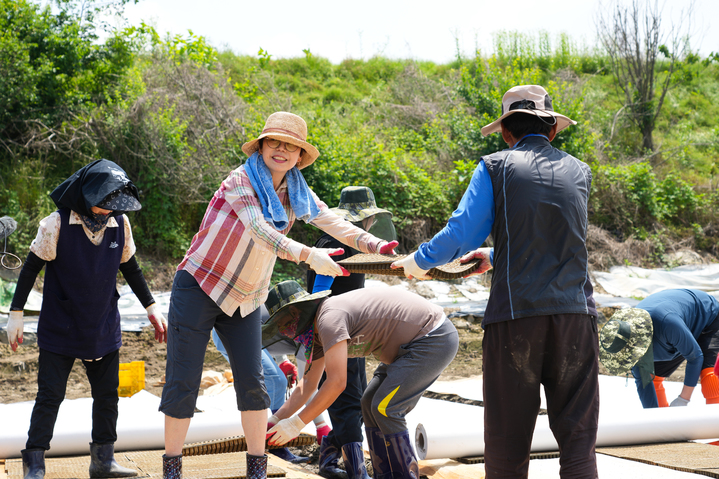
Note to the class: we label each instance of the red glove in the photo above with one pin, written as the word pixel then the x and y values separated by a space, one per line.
pixel 322 430
pixel 388 248
pixel 290 371
pixel 270 424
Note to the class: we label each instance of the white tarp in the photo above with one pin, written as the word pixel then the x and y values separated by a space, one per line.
pixel 633 282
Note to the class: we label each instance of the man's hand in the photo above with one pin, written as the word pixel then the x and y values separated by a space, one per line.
pixel 290 372
pixel 388 248
pixel 158 321
pixel 320 261
pixel 411 270
pixel 679 401
pixel 286 430
pixel 14 329
pixel 481 253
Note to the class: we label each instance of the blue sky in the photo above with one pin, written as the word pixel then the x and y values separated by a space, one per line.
pixel 420 29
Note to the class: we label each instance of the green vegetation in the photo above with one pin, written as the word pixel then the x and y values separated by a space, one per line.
pixel 174 112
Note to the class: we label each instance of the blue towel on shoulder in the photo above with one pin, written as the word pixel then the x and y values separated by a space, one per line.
pixel 301 199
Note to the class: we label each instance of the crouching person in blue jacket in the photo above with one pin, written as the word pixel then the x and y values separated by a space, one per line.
pixel 82 246
pixel 411 337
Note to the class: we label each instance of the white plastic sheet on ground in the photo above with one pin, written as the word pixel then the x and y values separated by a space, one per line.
pixel 630 281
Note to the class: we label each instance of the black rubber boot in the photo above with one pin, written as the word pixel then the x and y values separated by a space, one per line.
pixel 401 455
pixel 256 467
pixel 33 463
pixel 329 461
pixel 378 453
pixel 354 461
pixel 103 464
pixel 172 467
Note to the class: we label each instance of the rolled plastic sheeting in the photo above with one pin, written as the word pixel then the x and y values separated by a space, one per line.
pixel 461 434
pixel 140 425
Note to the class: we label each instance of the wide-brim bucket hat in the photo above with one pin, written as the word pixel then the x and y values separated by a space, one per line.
pixel 624 340
pixel 357 203
pixel 292 311
pixel 289 128
pixel 531 99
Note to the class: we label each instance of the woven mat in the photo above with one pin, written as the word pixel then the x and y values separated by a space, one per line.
pixel 379 264
pixel 691 457
pixel 148 465
pixel 238 443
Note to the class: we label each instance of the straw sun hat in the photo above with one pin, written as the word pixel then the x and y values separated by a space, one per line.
pixel 289 128
pixel 532 99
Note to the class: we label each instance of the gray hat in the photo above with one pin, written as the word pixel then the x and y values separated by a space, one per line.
pixel 625 340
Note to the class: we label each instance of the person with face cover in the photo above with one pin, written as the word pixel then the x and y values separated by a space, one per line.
pixel 82 245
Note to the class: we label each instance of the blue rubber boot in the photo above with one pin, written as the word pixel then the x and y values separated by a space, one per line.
pixel 354 461
pixel 287 455
pixel 329 461
pixel 378 453
pixel 402 459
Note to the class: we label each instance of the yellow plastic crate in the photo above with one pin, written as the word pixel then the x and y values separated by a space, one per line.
pixel 132 378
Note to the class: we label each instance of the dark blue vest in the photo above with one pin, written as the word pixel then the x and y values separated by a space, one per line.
pixel 79 315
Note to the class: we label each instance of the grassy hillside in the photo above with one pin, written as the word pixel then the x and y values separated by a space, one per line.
pixel 174 112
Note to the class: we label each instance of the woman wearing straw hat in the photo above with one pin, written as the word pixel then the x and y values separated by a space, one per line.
pixel 412 338
pixel 226 273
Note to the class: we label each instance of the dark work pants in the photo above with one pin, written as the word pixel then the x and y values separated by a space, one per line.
pixel 346 411
pixel 560 352
pixel 54 371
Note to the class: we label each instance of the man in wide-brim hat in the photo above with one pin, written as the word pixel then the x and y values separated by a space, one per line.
pixel 540 324
pixel 411 337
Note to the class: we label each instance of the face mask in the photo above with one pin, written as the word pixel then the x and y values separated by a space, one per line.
pixel 95 222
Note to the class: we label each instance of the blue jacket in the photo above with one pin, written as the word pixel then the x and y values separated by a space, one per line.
pixel 679 317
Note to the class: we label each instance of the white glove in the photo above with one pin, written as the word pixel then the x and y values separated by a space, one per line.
pixel 286 430
pixel 481 253
pixel 14 329
pixel 320 261
pixel 158 321
pixel 411 270
pixel 679 401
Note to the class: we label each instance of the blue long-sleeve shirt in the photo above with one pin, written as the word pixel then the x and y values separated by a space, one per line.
pixel 679 316
pixel 468 227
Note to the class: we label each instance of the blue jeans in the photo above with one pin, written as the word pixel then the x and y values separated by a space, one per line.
pixel 275 380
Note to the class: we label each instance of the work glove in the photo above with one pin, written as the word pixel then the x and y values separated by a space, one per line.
pixel 388 248
pixel 323 429
pixel 286 430
pixel 270 424
pixel 158 321
pixel 290 372
pixel 411 270
pixel 320 261
pixel 14 329
pixel 481 253
pixel 679 401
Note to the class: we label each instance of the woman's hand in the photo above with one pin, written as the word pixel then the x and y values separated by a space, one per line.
pixel 158 322
pixel 320 261
pixel 286 430
pixel 388 247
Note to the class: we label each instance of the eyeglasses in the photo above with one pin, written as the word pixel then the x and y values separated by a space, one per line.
pixel 272 143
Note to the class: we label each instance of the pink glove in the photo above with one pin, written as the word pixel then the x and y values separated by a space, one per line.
pixel 158 322
pixel 388 248
pixel 481 253
pixel 323 429
pixel 290 372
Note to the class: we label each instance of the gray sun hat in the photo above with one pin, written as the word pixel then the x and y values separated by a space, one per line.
pixel 626 340
pixel 7 227
pixel 357 203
